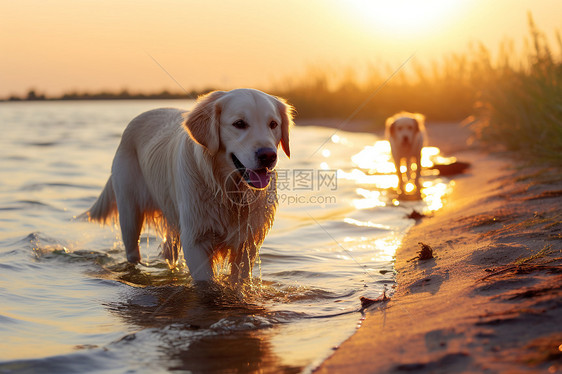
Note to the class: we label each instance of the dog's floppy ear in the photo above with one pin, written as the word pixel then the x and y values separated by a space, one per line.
pixel 390 127
pixel 202 123
pixel 286 111
pixel 393 128
pixel 419 121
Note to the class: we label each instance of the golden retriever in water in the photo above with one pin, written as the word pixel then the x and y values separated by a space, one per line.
pixel 203 179
pixel 406 134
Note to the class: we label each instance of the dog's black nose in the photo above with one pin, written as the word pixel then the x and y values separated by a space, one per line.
pixel 266 157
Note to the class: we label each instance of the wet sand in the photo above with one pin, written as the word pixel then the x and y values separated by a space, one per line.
pixel 491 298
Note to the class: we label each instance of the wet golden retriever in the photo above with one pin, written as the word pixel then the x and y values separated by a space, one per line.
pixel 204 179
pixel 406 133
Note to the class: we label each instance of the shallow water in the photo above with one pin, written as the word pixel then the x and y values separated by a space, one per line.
pixel 71 303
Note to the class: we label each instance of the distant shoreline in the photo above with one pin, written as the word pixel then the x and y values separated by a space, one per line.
pixel 33 95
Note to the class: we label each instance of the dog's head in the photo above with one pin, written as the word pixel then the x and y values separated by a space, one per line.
pixel 404 127
pixel 243 128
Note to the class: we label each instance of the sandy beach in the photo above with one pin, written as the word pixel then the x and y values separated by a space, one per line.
pixel 491 298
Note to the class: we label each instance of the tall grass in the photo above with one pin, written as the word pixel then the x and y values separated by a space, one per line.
pixel 516 98
pixel 521 105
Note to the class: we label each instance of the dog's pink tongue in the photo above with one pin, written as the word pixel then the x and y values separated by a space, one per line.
pixel 259 178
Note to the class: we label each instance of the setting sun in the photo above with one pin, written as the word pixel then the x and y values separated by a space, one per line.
pixel 404 16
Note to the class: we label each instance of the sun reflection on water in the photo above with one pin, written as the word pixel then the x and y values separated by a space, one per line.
pixel 434 192
pixel 355 222
pixel 388 247
pixel 381 181
pixel 374 177
pixel 370 199
pixel 376 174
pixel 377 158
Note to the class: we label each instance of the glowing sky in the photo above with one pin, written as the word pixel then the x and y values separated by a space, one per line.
pixel 61 45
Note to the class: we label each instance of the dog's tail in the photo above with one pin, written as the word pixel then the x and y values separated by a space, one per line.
pixel 105 207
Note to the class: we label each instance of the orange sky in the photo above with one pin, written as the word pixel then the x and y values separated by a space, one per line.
pixel 61 45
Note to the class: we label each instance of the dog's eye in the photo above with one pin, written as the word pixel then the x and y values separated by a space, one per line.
pixel 272 125
pixel 240 124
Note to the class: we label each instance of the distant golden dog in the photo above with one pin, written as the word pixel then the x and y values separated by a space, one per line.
pixel 406 133
pixel 204 179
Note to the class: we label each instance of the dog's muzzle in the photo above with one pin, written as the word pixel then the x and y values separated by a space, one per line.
pixel 405 141
pixel 258 178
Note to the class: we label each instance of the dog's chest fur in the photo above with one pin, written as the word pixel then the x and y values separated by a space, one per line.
pixel 231 221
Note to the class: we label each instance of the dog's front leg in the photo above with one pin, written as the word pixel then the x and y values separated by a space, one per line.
pixel 408 169
pixel 197 248
pixel 198 259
